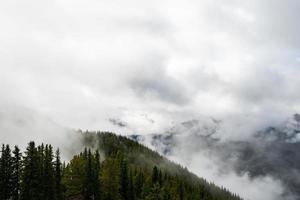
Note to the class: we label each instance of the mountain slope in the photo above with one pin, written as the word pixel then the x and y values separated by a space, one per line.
pixel 142 158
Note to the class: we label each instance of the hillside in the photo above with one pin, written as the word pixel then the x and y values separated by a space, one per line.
pixel 110 167
pixel 142 158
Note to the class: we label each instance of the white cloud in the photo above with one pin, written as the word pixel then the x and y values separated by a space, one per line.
pixel 82 63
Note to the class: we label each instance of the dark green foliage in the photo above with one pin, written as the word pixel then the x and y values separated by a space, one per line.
pixel 81 176
pixel 110 180
pixel 73 176
pixel 6 187
pixel 88 182
pixel 96 180
pixel 57 176
pixel 129 171
pixel 48 174
pixel 31 176
pixel 138 181
pixel 155 175
pixel 16 166
pixel 149 175
pixel 124 182
pixel 154 192
pixel 131 195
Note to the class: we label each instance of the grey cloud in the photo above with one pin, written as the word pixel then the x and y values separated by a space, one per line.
pixel 152 81
pixel 268 159
pixel 117 122
pixel 165 89
pixel 80 64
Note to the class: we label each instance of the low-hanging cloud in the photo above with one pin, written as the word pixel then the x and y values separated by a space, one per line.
pixel 268 159
pixel 149 64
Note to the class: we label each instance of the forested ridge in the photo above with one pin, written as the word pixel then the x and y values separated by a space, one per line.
pixel 110 167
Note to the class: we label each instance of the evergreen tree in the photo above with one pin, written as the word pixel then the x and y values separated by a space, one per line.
pixel 154 193
pixel 96 181
pixel 138 184
pixel 2 172
pixel 88 186
pixel 110 179
pixel 6 173
pixel 48 175
pixel 155 175
pixel 74 177
pixel 124 179
pixel 16 164
pixel 165 192
pixel 30 185
pixel 146 190
pixel 180 190
pixel 41 169
pixel 58 174
pixel 131 195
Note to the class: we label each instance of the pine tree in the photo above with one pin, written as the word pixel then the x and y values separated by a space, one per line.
pixel 154 193
pixel 165 192
pixel 155 175
pixel 58 174
pixel 16 164
pixel 2 172
pixel 41 169
pixel 138 184
pixel 124 179
pixel 88 186
pixel 110 179
pixel 74 176
pixel 6 173
pixel 96 181
pixel 131 195
pixel 180 190
pixel 30 185
pixel 48 174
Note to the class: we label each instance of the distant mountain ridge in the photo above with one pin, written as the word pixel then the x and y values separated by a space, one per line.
pixel 273 151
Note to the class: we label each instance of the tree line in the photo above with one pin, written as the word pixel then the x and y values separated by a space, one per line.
pixel 117 169
pixel 33 175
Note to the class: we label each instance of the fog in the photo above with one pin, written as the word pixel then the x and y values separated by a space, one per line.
pixel 141 67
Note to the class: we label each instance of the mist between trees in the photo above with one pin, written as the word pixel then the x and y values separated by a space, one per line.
pixel 129 171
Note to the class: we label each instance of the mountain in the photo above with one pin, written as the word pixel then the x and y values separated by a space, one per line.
pixel 110 167
pixel 142 158
pixel 270 152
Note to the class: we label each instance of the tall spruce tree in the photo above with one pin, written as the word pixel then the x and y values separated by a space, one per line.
pixel 16 164
pixel 96 181
pixel 48 174
pixel 58 175
pixel 138 184
pixel 154 193
pixel 88 186
pixel 124 179
pixel 6 173
pixel 155 175
pixel 131 195
pixel 30 185
pixel 2 172
pixel 41 169
pixel 110 179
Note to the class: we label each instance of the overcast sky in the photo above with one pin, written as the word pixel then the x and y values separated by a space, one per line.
pixel 148 63
pixel 135 66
